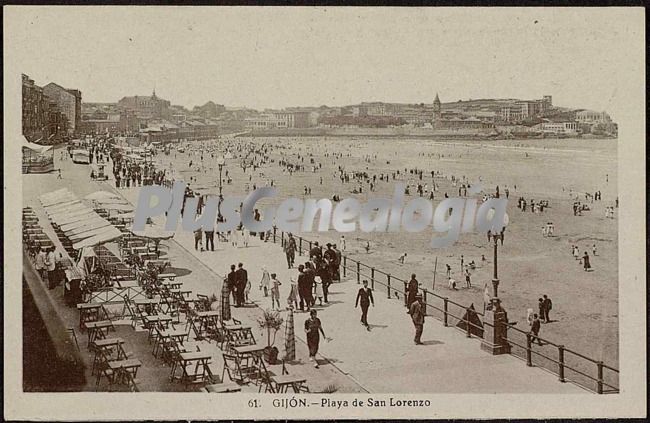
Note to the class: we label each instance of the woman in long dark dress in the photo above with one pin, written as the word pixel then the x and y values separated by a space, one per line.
pixel 313 329
pixel 585 262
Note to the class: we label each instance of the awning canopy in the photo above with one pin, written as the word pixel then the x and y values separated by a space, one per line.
pixel 40 149
pixel 98 239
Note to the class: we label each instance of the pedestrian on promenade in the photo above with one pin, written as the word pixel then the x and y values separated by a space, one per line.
pixel 417 316
pixel 462 262
pixel 209 240
pixel 292 299
pixel 364 296
pixel 310 275
pixel 232 284
pixel 534 330
pixel 451 283
pixel 264 282
pixel 594 251
pixel 448 270
pixel 241 281
pixel 336 276
pixel 318 289
pixel 412 290
pixel 275 291
pixel 342 241
pixel 303 288
pixel 198 239
pixel 548 306
pixel 313 329
pixel 290 250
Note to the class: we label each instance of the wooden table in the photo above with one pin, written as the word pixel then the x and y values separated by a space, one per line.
pixel 147 305
pixel 108 349
pixel 89 312
pixel 170 284
pixel 284 382
pixel 222 388
pixel 177 335
pixel 198 360
pixel 96 330
pixel 238 335
pixel 124 371
pixel 208 323
pixel 170 276
pixel 156 321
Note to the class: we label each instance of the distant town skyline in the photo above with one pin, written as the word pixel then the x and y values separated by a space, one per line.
pixel 287 57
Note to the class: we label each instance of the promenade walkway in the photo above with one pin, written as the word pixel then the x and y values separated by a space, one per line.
pixel 383 359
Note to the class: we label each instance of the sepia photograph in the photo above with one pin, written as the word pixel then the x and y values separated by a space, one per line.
pixel 324 212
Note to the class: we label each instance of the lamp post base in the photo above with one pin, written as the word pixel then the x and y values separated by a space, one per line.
pixel 495 331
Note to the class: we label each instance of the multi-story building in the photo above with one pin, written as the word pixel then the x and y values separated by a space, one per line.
pixel 68 102
pixel 525 109
pixel 279 120
pixel 35 114
pixel 559 128
pixel 146 107
pixel 592 117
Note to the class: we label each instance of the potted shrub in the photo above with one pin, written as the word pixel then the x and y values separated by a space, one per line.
pixel 272 322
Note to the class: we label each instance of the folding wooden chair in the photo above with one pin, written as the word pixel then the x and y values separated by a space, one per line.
pixel 239 368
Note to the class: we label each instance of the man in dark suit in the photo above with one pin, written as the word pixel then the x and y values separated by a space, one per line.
pixel 242 279
pixel 232 284
pixel 417 315
pixel 364 296
pixel 303 288
pixel 534 330
pixel 412 290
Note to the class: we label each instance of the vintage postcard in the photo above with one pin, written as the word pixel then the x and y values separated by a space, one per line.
pixel 323 212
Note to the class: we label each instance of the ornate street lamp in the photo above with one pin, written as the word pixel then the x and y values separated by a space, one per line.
pixel 495 319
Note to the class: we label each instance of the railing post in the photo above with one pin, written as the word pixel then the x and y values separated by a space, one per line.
pixel 468 332
pixel 600 377
pixel 358 272
pixel 345 265
pixel 529 346
pixel 406 295
pixel 299 246
pixel 388 281
pixel 560 359
pixel 282 238
pixel 309 251
pixel 445 307
pixel 274 231
pixel 372 278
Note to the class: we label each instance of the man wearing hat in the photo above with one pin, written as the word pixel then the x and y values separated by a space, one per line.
pixel 417 315
pixel 290 250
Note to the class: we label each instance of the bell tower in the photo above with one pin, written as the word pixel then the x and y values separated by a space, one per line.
pixel 437 109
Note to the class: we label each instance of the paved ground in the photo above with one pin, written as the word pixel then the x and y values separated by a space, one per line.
pixel 381 360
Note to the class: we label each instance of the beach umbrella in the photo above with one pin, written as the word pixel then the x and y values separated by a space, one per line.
pixel 102 195
pixel 289 338
pixel 225 301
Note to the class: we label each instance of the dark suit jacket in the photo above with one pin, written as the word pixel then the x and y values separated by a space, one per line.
pixel 365 296
pixel 242 277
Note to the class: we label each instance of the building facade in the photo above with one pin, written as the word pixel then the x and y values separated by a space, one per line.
pixel 35 116
pixel 68 102
pixel 592 117
pixel 146 107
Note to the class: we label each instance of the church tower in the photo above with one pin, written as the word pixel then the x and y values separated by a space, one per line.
pixel 437 109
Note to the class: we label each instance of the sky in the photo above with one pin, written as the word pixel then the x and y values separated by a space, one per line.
pixel 306 56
